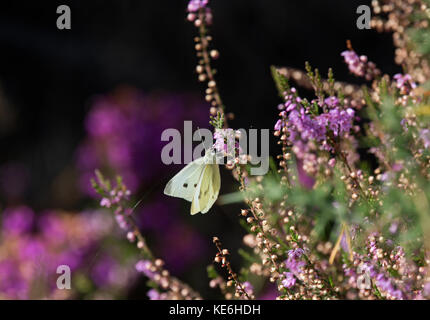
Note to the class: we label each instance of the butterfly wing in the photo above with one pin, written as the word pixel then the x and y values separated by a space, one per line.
pixel 214 186
pixel 207 189
pixel 201 192
pixel 198 182
pixel 184 183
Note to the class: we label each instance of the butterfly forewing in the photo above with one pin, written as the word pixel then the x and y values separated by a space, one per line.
pixel 184 183
pixel 198 182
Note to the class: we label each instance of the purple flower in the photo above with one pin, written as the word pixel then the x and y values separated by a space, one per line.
pixel 355 64
pixel 293 263
pixel 144 266
pixel 339 121
pixel 425 137
pixel 404 83
pixel 332 102
pixel 278 125
pixel 289 281
pixel 18 220
pixel 153 295
pixel 122 222
pixel 360 66
pixel 249 288
pixel 393 227
pixel 225 142
pixel 102 272
pixel 426 289
pixel 385 284
pixel 35 255
pixel 296 253
pixel 196 5
pixel 105 202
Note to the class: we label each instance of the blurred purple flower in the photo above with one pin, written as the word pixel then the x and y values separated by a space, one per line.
pixel 18 220
pixel 425 137
pixel 404 83
pixel 153 295
pixel 144 266
pixel 124 131
pixel 196 5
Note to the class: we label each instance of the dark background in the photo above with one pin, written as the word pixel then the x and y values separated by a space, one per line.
pixel 48 77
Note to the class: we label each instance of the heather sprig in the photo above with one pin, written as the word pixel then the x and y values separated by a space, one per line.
pixel 116 198
pixel 242 290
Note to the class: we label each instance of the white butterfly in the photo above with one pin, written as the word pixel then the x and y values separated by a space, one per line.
pixel 198 182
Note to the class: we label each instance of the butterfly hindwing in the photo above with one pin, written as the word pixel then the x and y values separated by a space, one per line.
pixel 202 192
pixel 214 187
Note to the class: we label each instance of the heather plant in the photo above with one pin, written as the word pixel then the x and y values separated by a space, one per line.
pixel 344 211
pixel 34 245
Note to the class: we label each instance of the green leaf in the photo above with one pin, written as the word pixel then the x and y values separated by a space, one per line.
pixel 212 274
pixel 280 80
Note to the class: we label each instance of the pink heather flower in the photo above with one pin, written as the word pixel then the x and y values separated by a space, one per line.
pixel 249 288
pixel 278 125
pixel 296 253
pixel 303 127
pixel 131 236
pixel 246 181
pixel 153 295
pixel 293 262
pixel 144 266
pixel 360 66
pixel 128 211
pixel 105 202
pixel 426 289
pixel 196 5
pixel 122 223
pixel 397 167
pixel 18 220
pixel 289 281
pixel 355 64
pixel 385 284
pixel 425 137
pixel 404 83
pixel 332 102
pixel 393 227
pixel 225 142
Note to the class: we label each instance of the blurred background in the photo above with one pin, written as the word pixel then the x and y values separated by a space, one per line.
pixel 99 96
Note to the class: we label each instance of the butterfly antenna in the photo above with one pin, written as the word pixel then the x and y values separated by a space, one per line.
pixel 137 203
pixel 145 195
pixel 149 191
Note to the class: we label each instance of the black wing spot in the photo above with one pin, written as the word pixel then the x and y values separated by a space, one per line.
pixel 195 185
pixel 185 185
